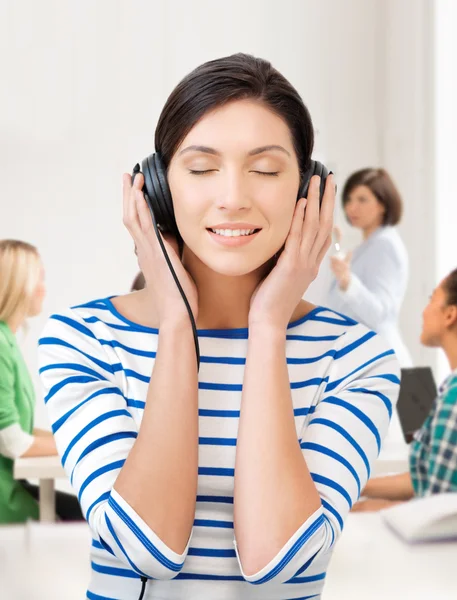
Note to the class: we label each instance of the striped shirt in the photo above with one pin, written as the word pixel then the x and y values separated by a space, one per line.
pixel 95 366
pixel 433 453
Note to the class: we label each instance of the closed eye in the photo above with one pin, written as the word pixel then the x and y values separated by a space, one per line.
pixel 270 173
pixel 194 172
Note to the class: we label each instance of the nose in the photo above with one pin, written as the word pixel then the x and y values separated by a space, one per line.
pixel 233 194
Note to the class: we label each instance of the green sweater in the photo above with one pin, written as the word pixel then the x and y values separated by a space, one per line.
pixel 17 403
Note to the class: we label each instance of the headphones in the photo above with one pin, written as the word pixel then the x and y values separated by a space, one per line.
pixel 158 198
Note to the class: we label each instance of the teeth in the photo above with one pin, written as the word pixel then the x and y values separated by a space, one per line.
pixel 233 232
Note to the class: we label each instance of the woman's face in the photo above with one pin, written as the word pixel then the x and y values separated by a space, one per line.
pixel 38 295
pixel 363 209
pixel 234 182
pixel 437 318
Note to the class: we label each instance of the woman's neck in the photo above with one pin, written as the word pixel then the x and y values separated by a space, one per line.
pixel 368 231
pixel 450 349
pixel 223 301
pixel 14 323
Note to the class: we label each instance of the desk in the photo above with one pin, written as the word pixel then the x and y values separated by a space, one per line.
pixel 371 562
pixel 45 469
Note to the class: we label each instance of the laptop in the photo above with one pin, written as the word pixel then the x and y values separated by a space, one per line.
pixel 417 394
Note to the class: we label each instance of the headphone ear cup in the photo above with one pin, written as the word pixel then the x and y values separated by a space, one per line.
pixel 166 201
pixel 315 168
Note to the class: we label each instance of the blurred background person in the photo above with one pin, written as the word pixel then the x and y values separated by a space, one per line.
pixel 433 453
pixel 369 285
pixel 22 290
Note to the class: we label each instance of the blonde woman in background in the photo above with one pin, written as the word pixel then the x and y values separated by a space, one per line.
pixel 22 291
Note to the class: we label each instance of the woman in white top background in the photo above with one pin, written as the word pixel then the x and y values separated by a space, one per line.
pixel 370 284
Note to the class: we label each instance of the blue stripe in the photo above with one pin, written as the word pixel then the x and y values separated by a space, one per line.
pixel 212 552
pixel 129 349
pixel 301 412
pixel 306 565
pixel 204 412
pixel 91 596
pixel 74 325
pixel 111 325
pixel 107 439
pixel 53 341
pixel 324 450
pixel 222 387
pixel 121 547
pixel 101 498
pixel 358 413
pixel 136 403
pixel 327 506
pixel 347 436
pixel 136 375
pixel 306 535
pixel 213 523
pixel 312 338
pixel 330 483
pixel 216 471
pixel 99 303
pixel 387 376
pixel 155 552
pixel 356 344
pixel 204 577
pixel 383 397
pixel 334 321
pixel 332 385
pixel 118 464
pixel 219 499
pixel 75 379
pixel 72 367
pixel 223 360
pixel 100 419
pixel 114 571
pixel 294 385
pixel 207 441
pixel 309 579
pixel 58 424
pixel 308 361
pixel 104 546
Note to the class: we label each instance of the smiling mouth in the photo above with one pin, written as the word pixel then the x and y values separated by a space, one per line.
pixel 230 233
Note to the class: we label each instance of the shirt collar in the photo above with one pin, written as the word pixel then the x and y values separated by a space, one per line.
pixel 446 383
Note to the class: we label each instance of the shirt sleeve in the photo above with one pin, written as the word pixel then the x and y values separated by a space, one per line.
pixel 371 300
pixel 8 410
pixel 442 459
pixel 339 443
pixel 94 433
pixel 14 441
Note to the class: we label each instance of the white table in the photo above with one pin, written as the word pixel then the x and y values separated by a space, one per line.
pixel 371 562
pixel 46 469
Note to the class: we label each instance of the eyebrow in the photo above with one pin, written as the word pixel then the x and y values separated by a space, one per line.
pixel 214 152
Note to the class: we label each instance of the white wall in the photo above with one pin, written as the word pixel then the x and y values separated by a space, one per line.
pixel 85 82
pixel 445 142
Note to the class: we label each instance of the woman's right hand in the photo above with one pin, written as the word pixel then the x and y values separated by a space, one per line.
pixel 167 299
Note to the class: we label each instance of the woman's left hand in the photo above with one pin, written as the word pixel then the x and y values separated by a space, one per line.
pixel 276 298
pixel 341 268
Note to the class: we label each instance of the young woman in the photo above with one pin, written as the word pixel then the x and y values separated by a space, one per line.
pixel 433 458
pixel 22 291
pixel 369 286
pixel 203 482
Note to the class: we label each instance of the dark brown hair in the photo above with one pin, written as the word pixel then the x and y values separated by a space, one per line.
pixel 220 81
pixel 381 185
pixel 450 287
pixel 138 283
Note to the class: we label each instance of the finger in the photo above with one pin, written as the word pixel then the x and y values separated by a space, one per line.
pixel 324 250
pixel 143 212
pixel 325 217
pixel 130 214
pixel 311 221
pixel 295 232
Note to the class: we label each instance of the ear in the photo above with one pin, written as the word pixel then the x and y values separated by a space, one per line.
pixel 451 315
